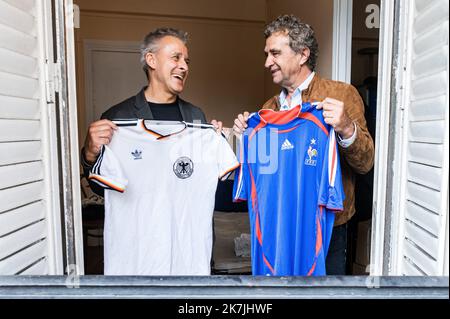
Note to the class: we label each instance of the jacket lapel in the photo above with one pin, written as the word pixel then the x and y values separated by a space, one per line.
pixel 306 94
pixel 187 116
pixel 142 110
pixel 274 102
pixel 310 93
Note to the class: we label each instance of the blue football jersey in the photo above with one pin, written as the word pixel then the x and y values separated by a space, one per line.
pixel 290 175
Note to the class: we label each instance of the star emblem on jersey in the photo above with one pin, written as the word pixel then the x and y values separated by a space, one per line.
pixel 312 153
pixel 137 154
pixel 183 167
pixel 286 145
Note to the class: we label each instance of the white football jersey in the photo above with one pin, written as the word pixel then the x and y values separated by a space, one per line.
pixel 160 180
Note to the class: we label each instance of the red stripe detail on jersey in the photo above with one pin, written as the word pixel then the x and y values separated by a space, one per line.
pixel 319 241
pixel 319 233
pixel 231 169
pixel 310 272
pixel 150 131
pixel 256 129
pixel 280 117
pixel 310 117
pixel 268 265
pixel 160 136
pixel 103 181
pixel 288 130
pixel 171 134
pixel 257 223
pixel 258 230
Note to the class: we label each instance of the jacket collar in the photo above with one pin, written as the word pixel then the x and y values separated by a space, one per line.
pixel 306 94
pixel 274 102
pixel 143 111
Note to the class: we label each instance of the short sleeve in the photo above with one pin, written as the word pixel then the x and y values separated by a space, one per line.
pixel 227 161
pixel 107 171
pixel 240 178
pixel 331 192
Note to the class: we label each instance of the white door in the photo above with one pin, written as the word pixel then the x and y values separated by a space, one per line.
pixel 421 160
pixel 113 74
pixel 30 226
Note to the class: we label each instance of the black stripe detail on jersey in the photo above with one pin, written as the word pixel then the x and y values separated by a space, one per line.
pixel 112 189
pixel 159 135
pixel 105 186
pixel 99 183
pixel 194 125
pixel 126 124
pixel 95 168
pixel 98 161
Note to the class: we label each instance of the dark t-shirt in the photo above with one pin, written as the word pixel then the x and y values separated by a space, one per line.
pixel 166 111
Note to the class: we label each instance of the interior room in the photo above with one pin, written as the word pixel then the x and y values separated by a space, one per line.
pixel 226 77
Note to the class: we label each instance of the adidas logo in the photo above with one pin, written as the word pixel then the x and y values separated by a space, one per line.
pixel 137 154
pixel 286 145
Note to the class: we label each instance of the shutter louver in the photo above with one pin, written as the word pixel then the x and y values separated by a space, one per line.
pixel 24 229
pixel 424 221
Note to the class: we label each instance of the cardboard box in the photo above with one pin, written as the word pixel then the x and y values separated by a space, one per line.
pixel 363 243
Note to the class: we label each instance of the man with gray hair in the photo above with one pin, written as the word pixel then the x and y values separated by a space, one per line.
pixel 291 57
pixel 165 61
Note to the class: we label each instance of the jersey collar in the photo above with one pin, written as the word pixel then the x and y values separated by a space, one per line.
pixel 269 116
pixel 162 136
pixel 184 125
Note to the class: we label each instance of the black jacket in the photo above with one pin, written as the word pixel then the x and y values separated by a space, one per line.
pixel 136 107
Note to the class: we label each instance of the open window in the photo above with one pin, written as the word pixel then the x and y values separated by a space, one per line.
pixel 50 222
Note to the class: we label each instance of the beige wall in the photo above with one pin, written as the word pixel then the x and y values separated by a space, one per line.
pixel 319 14
pixel 226 74
pixel 254 10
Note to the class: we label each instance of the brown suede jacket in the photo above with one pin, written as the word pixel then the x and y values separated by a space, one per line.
pixel 358 157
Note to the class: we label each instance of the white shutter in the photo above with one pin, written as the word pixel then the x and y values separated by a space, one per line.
pixel 28 217
pixel 423 206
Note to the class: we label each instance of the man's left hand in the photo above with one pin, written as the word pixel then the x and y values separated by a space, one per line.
pixel 334 114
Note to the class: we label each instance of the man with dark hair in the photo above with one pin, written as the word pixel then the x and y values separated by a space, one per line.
pixel 165 61
pixel 292 51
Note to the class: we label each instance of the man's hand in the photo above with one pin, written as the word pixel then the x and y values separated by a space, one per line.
pixel 99 133
pixel 217 125
pixel 240 123
pixel 334 114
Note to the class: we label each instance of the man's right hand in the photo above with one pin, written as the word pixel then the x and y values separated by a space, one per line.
pixel 99 133
pixel 240 123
